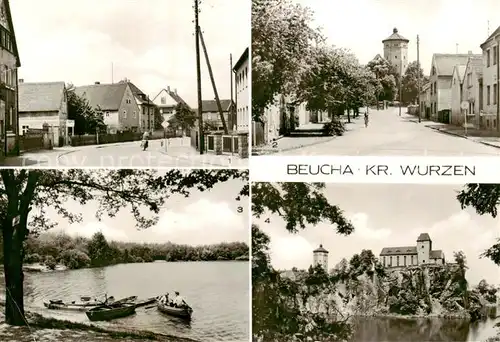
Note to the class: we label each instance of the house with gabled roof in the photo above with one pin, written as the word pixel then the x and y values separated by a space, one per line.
pixel 9 64
pixel 421 254
pixel 44 103
pixel 211 115
pixel 147 108
pixel 440 78
pixel 491 81
pixel 117 103
pixel 166 100
pixel 456 93
pixel 472 91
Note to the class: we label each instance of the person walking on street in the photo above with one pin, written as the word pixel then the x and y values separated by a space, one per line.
pixel 366 119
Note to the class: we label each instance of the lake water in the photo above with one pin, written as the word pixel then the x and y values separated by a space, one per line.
pixel 375 329
pixel 218 292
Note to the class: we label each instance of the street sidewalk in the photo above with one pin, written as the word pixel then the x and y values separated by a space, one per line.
pixel 485 137
pixel 284 144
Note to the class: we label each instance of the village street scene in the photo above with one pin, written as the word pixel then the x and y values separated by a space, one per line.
pixel 157 266
pixel 373 265
pixel 96 95
pixel 396 86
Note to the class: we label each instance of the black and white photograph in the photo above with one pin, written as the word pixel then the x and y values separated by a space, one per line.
pixel 375 78
pixel 375 262
pixel 124 255
pixel 152 83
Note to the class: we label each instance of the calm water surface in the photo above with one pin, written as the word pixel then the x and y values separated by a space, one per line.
pixel 418 330
pixel 218 292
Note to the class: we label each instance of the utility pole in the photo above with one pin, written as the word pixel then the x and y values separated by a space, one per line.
pixel 418 82
pixel 198 76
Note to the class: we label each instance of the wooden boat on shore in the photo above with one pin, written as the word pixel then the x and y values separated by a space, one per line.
pixel 184 312
pixel 145 302
pixel 85 305
pixel 109 312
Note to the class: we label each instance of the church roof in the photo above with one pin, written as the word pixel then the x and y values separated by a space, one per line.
pixel 399 250
pixel 395 36
pixel 424 237
pixel 320 249
pixel 436 254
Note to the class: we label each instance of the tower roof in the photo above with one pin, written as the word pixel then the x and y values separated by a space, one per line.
pixel 424 237
pixel 320 249
pixel 395 36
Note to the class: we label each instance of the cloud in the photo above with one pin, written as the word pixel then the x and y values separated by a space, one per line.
pixel 365 231
pixel 290 251
pixel 89 229
pixel 202 222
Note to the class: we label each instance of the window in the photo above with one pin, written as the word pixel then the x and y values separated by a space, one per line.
pixel 107 114
pixel 163 100
pixel 488 58
pixel 488 95
pixel 495 55
pixel 395 57
pixel 134 115
pixel 124 113
pixel 26 129
pixel 495 94
pixel 398 259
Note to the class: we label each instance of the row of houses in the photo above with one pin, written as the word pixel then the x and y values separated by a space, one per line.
pixel 30 106
pixel 463 88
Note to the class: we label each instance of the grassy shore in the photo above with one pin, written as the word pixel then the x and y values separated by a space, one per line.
pixel 43 329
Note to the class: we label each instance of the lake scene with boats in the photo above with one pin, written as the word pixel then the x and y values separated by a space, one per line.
pixel 217 291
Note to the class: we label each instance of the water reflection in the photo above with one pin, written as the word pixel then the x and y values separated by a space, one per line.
pixel 417 330
pixel 217 291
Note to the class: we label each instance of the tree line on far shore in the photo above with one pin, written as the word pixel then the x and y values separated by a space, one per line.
pixel 79 252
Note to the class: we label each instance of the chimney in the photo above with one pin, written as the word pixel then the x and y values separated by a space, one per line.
pixel 470 52
pixel 21 80
pixel 175 91
pixel 97 82
pixel 168 89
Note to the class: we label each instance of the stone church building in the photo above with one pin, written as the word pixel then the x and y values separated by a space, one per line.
pixel 421 254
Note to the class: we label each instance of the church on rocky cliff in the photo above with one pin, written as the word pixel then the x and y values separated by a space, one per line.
pixel 421 254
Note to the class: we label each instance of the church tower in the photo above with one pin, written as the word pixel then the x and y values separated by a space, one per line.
pixel 424 247
pixel 320 257
pixel 396 51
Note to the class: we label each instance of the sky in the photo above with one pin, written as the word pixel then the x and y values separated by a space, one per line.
pixel 361 25
pixel 390 216
pixel 150 42
pixel 203 218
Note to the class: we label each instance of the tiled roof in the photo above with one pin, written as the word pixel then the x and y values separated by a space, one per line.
pixel 395 36
pixel 41 97
pixel 495 33
pixel 320 249
pixel 399 250
pixel 446 62
pixel 437 254
pixel 210 106
pixel 424 237
pixel 106 96
pixel 139 94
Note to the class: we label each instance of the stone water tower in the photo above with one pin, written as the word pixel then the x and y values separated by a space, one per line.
pixel 320 257
pixel 396 51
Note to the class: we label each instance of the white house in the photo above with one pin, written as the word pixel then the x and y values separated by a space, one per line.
pixel 44 103
pixel 243 108
pixel 456 94
pixel 166 100
pixel 491 69
pixel 472 90
pixel 421 254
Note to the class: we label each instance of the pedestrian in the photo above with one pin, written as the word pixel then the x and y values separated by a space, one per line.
pixel 366 119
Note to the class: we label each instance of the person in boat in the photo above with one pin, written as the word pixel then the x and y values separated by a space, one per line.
pixel 179 300
pixel 164 299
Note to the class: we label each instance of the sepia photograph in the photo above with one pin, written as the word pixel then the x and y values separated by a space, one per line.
pixel 375 78
pixel 124 255
pixel 375 262
pixel 156 83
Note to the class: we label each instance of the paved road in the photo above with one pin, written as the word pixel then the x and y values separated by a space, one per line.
pixel 388 134
pixel 124 155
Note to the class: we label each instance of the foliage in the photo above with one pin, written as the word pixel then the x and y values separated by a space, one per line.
pixel 79 252
pixel 409 83
pixel 386 76
pixel 87 119
pixel 489 292
pixel 50 262
pixel 184 118
pixel 210 125
pixel 26 195
pixel 281 36
pixel 299 204
pixel 158 118
pixel 485 199
pixel 334 128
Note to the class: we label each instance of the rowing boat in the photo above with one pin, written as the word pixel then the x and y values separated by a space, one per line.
pixel 83 306
pixel 109 312
pixel 145 302
pixel 184 312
